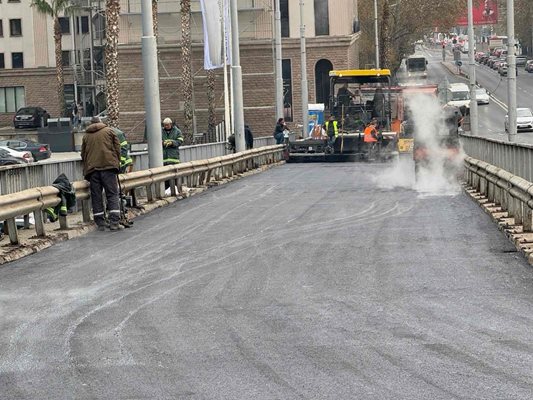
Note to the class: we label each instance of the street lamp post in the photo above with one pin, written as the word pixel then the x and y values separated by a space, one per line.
pixel 511 73
pixel 236 73
pixel 303 61
pixel 279 73
pixel 472 72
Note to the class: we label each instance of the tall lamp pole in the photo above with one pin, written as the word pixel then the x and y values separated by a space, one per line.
pixel 472 72
pixel 152 103
pixel 236 73
pixel 279 73
pixel 511 73
pixel 303 61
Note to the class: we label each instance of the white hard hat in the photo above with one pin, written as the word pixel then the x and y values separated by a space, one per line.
pixel 167 121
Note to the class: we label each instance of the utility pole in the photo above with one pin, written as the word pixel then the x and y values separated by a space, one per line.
pixel 303 61
pixel 376 32
pixel 279 73
pixel 236 73
pixel 472 73
pixel 511 73
pixel 152 104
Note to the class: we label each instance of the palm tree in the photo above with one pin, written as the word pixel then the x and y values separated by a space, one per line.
pixel 112 16
pixel 187 83
pixel 54 8
pixel 211 106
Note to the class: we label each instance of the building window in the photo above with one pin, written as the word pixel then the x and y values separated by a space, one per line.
pixel 322 68
pixel 2 61
pixel 286 72
pixel 65 56
pixel 1 29
pixel 13 1
pixel 284 11
pixel 17 60
pixel 321 18
pixel 84 25
pixel 64 23
pixel 15 27
pixel 11 99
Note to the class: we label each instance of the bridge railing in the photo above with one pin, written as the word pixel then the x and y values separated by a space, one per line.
pixel 512 157
pixel 192 174
pixel 21 177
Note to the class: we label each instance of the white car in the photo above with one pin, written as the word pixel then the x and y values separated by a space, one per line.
pixel 524 120
pixel 21 155
pixel 482 96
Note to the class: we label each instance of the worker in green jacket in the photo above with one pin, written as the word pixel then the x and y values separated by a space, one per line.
pixel 125 159
pixel 172 140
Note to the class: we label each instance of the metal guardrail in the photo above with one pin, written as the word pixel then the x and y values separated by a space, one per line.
pixel 509 191
pixel 193 174
pixel 512 157
pixel 20 177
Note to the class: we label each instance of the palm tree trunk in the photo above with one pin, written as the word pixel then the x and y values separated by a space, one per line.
pixel 112 14
pixel 211 106
pixel 154 17
pixel 187 83
pixel 385 50
pixel 59 67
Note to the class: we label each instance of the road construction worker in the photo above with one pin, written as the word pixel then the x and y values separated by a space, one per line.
pixel 125 160
pixel 371 138
pixel 344 96
pixel 332 129
pixel 172 140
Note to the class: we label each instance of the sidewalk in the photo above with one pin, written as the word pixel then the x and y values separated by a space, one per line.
pixel 450 66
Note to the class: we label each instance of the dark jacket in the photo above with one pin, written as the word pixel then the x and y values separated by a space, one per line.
pixel 171 153
pixel 67 196
pixel 100 149
pixel 279 129
pixel 248 137
pixel 125 159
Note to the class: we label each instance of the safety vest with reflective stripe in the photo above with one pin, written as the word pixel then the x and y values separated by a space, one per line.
pixel 369 138
pixel 335 128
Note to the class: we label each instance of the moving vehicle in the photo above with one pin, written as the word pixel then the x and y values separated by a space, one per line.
pixel 356 97
pixel 30 117
pixel 524 120
pixel 416 67
pixel 496 42
pixel 521 61
pixel 24 156
pixel 529 66
pixel 482 96
pixel 8 159
pixel 458 95
pixel 39 151
pixel 502 68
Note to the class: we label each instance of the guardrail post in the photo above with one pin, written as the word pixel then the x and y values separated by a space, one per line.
pixel 63 223
pixel 518 211
pixel 490 191
pixel 12 230
pixel 86 211
pixel 26 221
pixel 149 193
pixel 39 223
pixel 528 219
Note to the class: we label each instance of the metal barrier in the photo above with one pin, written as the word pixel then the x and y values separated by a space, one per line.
pixel 503 188
pixel 20 177
pixel 193 174
pixel 513 157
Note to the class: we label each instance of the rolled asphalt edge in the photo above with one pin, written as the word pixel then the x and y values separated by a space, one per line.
pixel 30 243
pixel 523 241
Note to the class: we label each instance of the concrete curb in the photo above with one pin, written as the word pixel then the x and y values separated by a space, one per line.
pixel 523 241
pixel 34 245
pixel 450 67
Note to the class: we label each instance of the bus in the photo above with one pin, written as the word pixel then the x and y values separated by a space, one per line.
pixel 416 67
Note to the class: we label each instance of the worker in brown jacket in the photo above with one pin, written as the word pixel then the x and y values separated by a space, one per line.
pixel 100 153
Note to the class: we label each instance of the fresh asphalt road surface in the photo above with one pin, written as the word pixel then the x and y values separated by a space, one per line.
pixel 308 281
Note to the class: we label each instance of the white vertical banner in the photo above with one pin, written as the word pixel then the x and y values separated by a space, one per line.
pixel 215 36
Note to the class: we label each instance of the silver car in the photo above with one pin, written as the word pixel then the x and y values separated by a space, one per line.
pixel 524 120
pixel 482 96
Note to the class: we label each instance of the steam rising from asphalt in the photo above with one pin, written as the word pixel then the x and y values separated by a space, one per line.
pixel 439 176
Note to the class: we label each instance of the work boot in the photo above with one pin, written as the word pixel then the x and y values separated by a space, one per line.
pixel 100 228
pixel 115 227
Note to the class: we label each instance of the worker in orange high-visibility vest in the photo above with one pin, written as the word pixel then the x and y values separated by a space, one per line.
pixel 371 138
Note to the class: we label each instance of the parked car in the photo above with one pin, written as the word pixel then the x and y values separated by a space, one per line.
pixel 492 60
pixel 524 120
pixel 482 96
pixel 521 61
pixel 24 156
pixel 30 117
pixel 39 151
pixel 496 64
pixel 529 66
pixel 8 159
pixel 502 68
